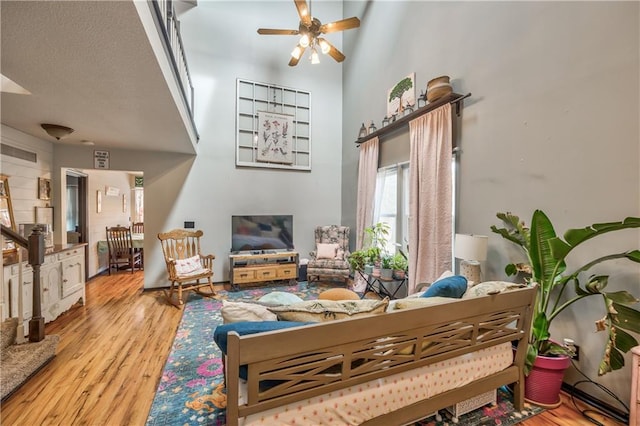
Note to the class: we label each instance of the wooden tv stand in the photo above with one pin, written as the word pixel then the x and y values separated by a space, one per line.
pixel 267 265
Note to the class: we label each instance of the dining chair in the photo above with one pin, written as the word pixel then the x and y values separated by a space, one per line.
pixel 186 265
pixel 121 251
pixel 138 228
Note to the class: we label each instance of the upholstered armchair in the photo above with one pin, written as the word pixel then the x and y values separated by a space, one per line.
pixel 329 259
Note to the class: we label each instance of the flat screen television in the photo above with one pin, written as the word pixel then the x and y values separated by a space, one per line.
pixel 261 233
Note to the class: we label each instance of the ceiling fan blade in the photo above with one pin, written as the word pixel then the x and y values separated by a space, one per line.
pixel 344 24
pixel 270 31
pixel 293 61
pixel 333 52
pixel 303 11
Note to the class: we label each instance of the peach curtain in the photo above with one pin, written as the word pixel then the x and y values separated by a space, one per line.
pixel 367 172
pixel 430 199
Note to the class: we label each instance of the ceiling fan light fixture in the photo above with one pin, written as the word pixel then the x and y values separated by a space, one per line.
pixel 324 46
pixel 56 130
pixel 315 59
pixel 304 40
pixel 297 51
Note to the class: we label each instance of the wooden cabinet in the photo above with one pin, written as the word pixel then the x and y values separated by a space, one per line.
pixel 262 267
pixel 72 265
pixel 62 284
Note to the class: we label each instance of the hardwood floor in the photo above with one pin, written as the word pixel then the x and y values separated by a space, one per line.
pixel 110 359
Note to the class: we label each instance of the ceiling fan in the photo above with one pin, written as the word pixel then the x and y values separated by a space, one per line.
pixel 311 29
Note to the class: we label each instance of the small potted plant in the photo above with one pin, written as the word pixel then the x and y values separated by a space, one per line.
pixel 546 254
pixel 386 273
pixel 399 265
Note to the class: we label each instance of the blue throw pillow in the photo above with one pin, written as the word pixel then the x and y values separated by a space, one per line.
pixel 249 327
pixel 454 286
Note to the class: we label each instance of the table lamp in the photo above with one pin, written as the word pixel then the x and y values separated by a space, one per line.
pixel 471 250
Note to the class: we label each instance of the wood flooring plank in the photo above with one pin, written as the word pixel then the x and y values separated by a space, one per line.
pixel 110 359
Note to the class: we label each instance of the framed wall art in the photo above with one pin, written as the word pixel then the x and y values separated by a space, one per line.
pixel 273 126
pixel 401 95
pixel 274 137
pixel 44 189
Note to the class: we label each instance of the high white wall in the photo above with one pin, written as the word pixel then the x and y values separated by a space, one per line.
pixel 208 188
pixel 552 123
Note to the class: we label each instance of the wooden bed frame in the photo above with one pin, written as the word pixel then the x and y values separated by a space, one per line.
pixel 367 348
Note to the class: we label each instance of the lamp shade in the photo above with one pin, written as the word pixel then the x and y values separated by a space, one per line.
pixel 471 247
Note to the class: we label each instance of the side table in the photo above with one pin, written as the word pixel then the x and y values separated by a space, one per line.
pixel 382 287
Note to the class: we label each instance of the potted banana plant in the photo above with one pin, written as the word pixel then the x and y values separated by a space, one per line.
pixel 546 254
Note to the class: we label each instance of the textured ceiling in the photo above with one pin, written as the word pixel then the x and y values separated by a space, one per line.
pixel 89 66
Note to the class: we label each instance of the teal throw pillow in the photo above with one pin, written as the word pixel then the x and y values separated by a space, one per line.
pixel 454 286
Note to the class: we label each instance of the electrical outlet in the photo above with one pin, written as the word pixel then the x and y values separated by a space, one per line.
pixel 571 345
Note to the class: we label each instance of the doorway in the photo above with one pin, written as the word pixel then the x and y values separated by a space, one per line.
pixel 76 218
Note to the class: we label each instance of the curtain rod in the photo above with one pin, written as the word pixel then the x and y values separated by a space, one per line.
pixel 452 98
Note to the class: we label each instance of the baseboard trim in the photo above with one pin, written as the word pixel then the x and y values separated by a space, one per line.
pixel 607 409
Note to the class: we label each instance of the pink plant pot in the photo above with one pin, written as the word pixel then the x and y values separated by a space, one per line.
pixel 542 385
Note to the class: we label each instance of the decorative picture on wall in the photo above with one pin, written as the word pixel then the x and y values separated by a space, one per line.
pixel 44 189
pixel 401 95
pixel 274 137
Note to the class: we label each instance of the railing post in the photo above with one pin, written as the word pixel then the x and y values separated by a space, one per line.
pixel 36 259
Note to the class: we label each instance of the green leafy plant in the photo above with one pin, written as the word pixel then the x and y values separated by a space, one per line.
pixel 387 262
pixel 376 238
pixel 372 255
pixel 399 262
pixel 357 259
pixel 546 265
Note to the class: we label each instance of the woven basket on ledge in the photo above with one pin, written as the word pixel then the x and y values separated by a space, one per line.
pixel 438 87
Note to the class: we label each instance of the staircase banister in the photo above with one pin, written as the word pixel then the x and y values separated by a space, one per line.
pixel 13 235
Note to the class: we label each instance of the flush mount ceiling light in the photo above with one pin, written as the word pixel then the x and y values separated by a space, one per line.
pixel 309 30
pixel 56 130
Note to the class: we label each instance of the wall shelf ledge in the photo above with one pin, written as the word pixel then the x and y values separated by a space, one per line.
pixel 452 98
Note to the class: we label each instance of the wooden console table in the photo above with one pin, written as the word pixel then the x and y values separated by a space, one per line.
pixel 266 265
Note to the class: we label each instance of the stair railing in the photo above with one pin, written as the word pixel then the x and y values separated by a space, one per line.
pixel 170 29
pixel 35 249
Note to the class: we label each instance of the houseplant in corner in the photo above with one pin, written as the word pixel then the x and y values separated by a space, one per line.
pixel 546 265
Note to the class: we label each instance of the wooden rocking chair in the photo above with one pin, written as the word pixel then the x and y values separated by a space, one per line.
pixel 185 264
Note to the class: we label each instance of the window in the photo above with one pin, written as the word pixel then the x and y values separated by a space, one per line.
pixel 138 204
pixel 392 204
